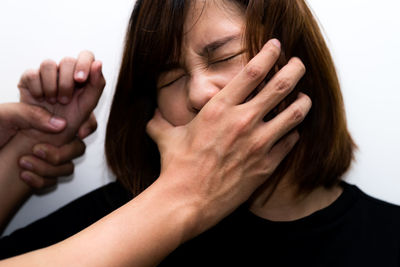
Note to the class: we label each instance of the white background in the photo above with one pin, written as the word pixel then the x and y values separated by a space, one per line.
pixel 364 37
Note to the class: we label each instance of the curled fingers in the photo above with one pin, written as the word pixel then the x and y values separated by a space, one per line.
pixel 285 121
pixel 243 84
pixel 30 80
pixel 277 88
pixel 48 77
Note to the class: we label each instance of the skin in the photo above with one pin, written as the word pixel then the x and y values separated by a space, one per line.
pixel 40 169
pixel 183 203
pixel 13 117
pixel 56 149
pixel 48 82
pixel 202 75
pixel 50 161
pixel 209 165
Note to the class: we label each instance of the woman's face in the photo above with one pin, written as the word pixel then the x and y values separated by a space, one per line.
pixel 212 54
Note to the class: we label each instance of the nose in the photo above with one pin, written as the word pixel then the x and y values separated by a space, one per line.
pixel 201 88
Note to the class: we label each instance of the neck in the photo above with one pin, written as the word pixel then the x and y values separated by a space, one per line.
pixel 285 204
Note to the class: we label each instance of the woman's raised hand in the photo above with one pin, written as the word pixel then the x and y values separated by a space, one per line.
pixel 227 151
pixel 76 84
pixel 69 90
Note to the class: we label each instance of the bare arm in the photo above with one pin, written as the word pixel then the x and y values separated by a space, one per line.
pixel 15 117
pixel 140 233
pixel 190 197
pixel 13 191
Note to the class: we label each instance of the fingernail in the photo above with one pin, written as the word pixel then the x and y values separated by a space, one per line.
pixel 57 122
pixel 64 100
pixel 26 165
pixel 276 43
pixel 26 177
pixel 80 75
pixel 40 153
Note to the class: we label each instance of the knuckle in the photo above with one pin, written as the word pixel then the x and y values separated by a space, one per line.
pixel 55 158
pixel 31 75
pixel 214 112
pixel 283 83
pixel 48 64
pixel 269 170
pixel 243 122
pixel 37 113
pixel 254 71
pixel 270 164
pixel 297 113
pixel 257 146
pixel 265 170
pixel 87 53
pixel 68 61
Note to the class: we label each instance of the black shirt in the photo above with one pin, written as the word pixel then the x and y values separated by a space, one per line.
pixel 355 230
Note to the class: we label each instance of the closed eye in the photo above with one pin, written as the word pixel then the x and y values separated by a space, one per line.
pixel 171 82
pixel 226 59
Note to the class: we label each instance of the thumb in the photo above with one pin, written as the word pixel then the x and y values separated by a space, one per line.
pixel 24 116
pixel 157 127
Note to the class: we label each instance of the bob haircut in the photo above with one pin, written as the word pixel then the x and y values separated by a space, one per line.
pixel 325 150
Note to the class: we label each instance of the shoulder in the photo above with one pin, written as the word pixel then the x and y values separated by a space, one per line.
pixel 373 209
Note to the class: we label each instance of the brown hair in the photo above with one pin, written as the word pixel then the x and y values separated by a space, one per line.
pixel 154 37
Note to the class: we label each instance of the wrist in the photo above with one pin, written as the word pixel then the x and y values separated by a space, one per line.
pixel 186 207
pixel 152 225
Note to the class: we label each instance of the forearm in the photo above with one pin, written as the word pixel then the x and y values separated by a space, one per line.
pixel 141 233
pixel 13 191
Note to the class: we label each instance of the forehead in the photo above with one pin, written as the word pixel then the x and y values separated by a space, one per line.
pixel 208 20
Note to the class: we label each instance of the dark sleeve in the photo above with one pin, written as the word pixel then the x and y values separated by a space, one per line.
pixel 66 221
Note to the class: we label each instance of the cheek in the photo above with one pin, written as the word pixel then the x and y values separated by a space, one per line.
pixel 172 105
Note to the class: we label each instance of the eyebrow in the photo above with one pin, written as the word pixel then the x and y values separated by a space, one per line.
pixel 170 66
pixel 211 47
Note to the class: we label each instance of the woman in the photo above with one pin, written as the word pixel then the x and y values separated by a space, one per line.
pixel 301 207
